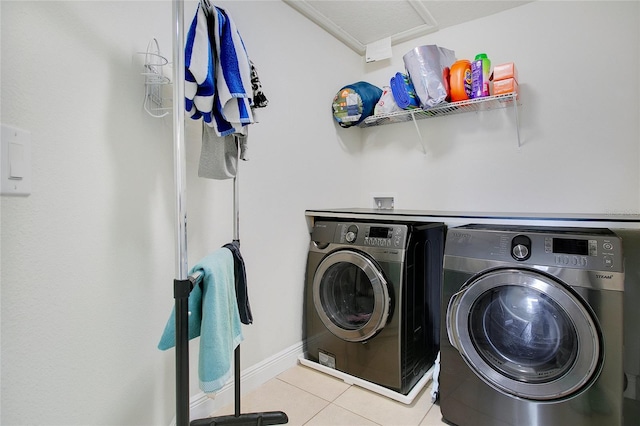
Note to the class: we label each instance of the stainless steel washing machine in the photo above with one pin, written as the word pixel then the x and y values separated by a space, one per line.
pixel 532 327
pixel 372 303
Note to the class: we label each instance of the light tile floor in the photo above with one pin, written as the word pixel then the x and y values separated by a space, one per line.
pixel 313 398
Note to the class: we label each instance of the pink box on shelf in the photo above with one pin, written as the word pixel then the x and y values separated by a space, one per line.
pixel 505 71
pixel 509 85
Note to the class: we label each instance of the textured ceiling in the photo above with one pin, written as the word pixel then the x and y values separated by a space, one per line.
pixel 360 22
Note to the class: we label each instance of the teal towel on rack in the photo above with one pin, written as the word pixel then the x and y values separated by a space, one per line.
pixel 214 316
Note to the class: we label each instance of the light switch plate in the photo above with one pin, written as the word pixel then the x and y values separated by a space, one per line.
pixel 15 161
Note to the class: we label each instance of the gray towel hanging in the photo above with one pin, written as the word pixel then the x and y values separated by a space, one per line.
pixel 219 155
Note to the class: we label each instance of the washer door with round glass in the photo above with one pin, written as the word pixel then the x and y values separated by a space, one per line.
pixel 350 295
pixel 525 334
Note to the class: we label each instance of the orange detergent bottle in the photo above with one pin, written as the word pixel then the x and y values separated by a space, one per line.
pixel 460 80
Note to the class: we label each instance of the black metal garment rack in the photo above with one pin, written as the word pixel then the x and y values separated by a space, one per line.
pixel 183 284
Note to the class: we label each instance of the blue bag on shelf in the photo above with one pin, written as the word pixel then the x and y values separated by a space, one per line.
pixel 355 102
pixel 403 91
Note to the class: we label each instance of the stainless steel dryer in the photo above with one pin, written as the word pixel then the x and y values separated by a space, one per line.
pixel 372 304
pixel 532 327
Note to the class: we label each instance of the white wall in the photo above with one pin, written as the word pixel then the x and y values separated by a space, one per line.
pixel 88 257
pixel 578 73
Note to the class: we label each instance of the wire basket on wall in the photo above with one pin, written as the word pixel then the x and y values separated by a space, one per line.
pixel 156 82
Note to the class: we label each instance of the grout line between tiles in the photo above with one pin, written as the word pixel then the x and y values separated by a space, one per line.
pixel 343 408
pixel 329 403
pixel 306 391
pixel 314 394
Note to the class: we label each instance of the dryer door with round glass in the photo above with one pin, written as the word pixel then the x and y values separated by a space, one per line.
pixel 525 334
pixel 350 295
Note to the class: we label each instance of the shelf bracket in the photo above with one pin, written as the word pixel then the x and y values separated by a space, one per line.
pixel 515 112
pixel 415 123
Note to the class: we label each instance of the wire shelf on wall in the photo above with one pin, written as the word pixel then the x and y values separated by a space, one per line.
pixel 471 105
pixel 155 81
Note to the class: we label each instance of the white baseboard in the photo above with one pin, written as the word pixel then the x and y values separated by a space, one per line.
pixel 203 405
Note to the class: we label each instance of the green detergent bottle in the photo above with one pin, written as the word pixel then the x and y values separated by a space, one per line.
pixel 480 73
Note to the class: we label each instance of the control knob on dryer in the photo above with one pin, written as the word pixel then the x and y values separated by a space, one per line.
pixel 352 233
pixel 520 252
pixel 521 247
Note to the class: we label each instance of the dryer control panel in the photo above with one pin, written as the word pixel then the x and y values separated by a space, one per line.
pixel 372 235
pixel 382 235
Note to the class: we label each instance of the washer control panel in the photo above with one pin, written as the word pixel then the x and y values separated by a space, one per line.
pixel 582 248
pixel 578 251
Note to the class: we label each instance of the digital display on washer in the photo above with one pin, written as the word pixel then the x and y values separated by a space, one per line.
pixel 571 246
pixel 379 232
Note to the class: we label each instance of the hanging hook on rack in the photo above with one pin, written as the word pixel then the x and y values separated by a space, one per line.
pixel 154 81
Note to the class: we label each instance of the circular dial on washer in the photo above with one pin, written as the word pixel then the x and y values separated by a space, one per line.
pixel 352 233
pixel 521 247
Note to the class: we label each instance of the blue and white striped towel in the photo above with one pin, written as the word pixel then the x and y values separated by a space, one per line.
pixel 218 75
pixel 199 86
pixel 233 76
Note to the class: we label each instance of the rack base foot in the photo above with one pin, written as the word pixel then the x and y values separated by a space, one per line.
pixel 249 419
